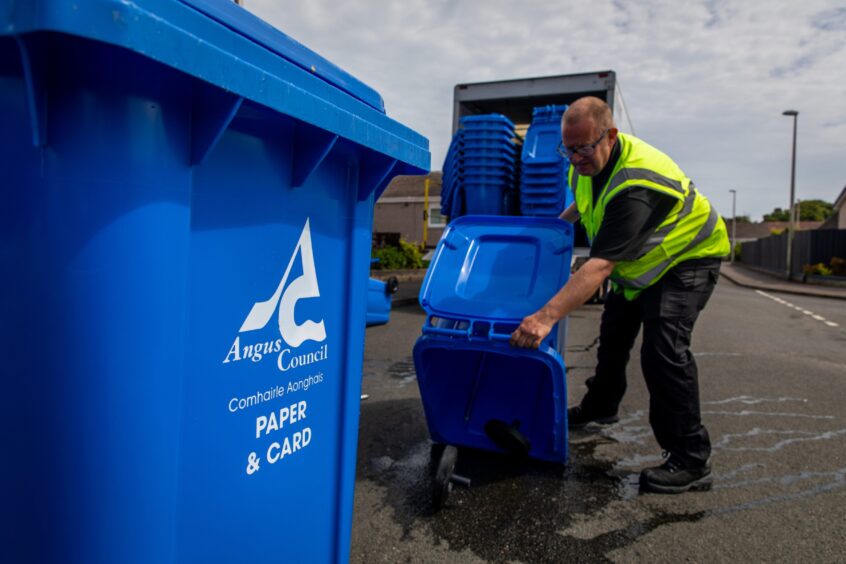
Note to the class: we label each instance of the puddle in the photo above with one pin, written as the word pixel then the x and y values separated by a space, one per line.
pixel 515 510
pixel 529 511
pixel 403 371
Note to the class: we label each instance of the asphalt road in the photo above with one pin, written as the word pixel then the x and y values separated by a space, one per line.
pixel 773 384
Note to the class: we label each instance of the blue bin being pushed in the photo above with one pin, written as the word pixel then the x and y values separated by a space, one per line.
pixel 486 275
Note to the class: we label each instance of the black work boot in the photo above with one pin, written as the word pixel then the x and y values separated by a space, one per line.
pixel 673 477
pixel 578 418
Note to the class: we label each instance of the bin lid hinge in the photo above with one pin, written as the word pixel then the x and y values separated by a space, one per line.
pixel 311 148
pixel 213 111
pixel 375 174
pixel 34 50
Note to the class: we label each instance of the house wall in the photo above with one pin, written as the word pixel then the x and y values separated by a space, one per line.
pixel 406 217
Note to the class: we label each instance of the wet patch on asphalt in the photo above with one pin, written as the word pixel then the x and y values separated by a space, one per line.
pixel 514 510
pixel 402 371
pixel 523 510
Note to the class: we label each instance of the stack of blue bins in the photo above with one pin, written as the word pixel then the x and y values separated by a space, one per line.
pixel 452 194
pixel 489 153
pixel 486 275
pixel 544 189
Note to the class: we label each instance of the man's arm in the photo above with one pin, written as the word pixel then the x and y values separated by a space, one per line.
pixel 575 292
pixel 571 214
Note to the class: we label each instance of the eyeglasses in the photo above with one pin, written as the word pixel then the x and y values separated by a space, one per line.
pixel 583 150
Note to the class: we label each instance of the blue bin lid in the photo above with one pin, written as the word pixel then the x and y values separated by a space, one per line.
pixel 497 268
pixel 223 45
pixel 488 118
pixel 257 30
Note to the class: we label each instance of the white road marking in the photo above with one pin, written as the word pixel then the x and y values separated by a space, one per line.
pixel 797 308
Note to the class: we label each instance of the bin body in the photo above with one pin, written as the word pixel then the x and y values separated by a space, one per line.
pixel 186 219
pixel 487 273
pixel 378 303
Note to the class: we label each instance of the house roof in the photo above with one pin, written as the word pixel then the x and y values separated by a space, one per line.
pixel 765 228
pixel 841 200
pixel 413 186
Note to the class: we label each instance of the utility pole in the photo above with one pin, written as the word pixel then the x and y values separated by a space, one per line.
pixel 791 228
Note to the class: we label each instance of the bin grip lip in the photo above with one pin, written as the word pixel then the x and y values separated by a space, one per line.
pixel 461 339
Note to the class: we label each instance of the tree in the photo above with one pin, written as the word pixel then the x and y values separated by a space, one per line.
pixel 815 210
pixel 809 210
pixel 777 214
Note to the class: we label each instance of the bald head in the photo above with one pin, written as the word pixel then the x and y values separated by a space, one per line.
pixel 591 109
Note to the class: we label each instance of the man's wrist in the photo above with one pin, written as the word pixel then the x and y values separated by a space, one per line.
pixel 548 315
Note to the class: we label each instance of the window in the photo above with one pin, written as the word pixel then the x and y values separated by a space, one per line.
pixel 435 217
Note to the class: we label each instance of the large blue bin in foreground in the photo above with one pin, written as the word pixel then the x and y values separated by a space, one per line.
pixel 184 234
pixel 486 275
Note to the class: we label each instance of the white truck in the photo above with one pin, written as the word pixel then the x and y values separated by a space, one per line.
pixel 516 98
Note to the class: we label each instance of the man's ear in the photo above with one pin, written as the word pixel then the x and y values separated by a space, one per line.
pixel 612 134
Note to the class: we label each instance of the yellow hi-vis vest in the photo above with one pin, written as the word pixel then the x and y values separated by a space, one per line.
pixel 691 230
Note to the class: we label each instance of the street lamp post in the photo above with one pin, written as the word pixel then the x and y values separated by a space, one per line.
pixel 795 115
pixel 733 224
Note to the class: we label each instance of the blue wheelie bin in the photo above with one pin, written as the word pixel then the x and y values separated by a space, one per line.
pixel 379 293
pixel 486 275
pixel 187 205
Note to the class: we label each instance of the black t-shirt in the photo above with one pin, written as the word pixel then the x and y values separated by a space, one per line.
pixel 630 218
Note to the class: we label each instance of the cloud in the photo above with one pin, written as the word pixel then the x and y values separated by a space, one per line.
pixel 706 80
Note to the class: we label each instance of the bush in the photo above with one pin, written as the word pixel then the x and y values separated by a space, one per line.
pixel 819 269
pixel 737 249
pixel 406 256
pixel 838 266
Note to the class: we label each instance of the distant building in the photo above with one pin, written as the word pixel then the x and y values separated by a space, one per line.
pixel 752 231
pixel 401 209
pixel 838 218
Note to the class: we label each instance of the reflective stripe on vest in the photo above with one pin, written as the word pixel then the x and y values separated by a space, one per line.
pixel 658 237
pixel 649 277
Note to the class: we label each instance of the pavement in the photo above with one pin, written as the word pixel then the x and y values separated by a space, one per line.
pixel 757 280
pixel 411 280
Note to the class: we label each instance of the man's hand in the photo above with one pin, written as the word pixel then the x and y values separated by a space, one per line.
pixel 532 330
pixel 575 292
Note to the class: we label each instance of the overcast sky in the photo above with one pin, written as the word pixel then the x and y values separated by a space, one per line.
pixel 705 81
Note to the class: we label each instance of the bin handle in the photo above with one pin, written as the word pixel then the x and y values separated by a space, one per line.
pixel 467 333
pixel 448 332
pixel 496 336
pixel 499 336
pixel 429 328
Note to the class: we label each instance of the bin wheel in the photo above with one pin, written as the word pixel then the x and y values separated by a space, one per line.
pixel 507 437
pixel 391 285
pixel 435 452
pixel 442 480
